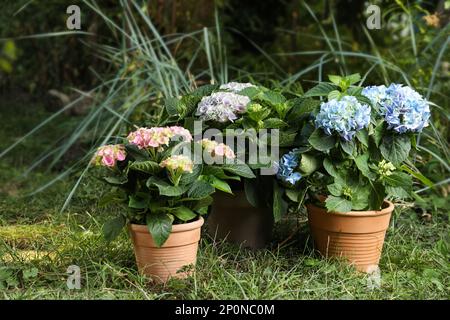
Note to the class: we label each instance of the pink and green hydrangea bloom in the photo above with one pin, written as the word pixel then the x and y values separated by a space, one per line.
pixel 109 155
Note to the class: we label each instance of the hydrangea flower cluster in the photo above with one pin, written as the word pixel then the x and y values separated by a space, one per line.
pixel 236 86
pixel 157 137
pixel 345 116
pixel 109 155
pixel 403 109
pixel 178 163
pixel 288 163
pixel 217 149
pixel 222 106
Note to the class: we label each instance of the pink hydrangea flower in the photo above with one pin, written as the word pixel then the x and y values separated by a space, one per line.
pixel 157 137
pixel 178 162
pixel 109 155
pixel 180 131
pixel 217 149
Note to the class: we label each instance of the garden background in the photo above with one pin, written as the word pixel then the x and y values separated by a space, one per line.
pixel 64 92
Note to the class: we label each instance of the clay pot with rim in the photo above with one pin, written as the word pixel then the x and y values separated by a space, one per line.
pixel 233 218
pixel 356 236
pixel 162 263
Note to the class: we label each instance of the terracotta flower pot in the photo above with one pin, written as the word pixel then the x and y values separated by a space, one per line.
pixel 357 236
pixel 162 263
pixel 233 218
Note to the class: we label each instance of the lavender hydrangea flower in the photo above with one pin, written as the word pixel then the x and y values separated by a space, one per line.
pixel 288 163
pixel 403 108
pixel 222 106
pixel 345 116
pixel 236 86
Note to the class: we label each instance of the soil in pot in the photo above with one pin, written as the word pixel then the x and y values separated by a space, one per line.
pixel 178 252
pixel 357 236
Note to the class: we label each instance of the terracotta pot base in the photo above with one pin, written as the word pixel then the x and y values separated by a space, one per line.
pixel 356 236
pixel 178 252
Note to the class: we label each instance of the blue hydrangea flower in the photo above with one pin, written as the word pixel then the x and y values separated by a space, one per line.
pixel 345 117
pixel 288 163
pixel 403 108
pixel 222 106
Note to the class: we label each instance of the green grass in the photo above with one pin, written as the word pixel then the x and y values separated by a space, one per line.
pixel 38 243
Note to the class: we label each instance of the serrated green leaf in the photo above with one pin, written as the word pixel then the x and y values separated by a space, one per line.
pixel 184 213
pixel 321 141
pixel 240 169
pixel 395 148
pixel 322 89
pixel 338 204
pixel 149 166
pixel 160 226
pixel 200 189
pixel 399 179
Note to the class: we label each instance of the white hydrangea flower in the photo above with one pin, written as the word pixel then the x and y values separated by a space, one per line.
pixel 222 106
pixel 236 86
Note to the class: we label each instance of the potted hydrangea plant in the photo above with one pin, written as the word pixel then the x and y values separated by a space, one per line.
pixel 246 216
pixel 362 138
pixel 163 191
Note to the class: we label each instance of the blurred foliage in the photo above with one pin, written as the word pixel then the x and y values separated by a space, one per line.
pixel 288 43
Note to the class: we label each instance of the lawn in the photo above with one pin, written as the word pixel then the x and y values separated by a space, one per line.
pixel 38 243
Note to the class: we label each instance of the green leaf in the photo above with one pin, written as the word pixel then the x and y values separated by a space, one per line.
pixel 136 153
pixel 172 106
pixel 321 141
pixel 353 78
pixel 273 97
pixel 335 94
pixel 362 164
pixel 335 189
pixel 219 173
pixel 329 168
pixel 399 179
pixel 395 148
pixel 250 92
pixel 172 191
pixel 363 137
pixel 115 196
pixel 189 178
pixel 286 139
pixel 279 205
pixel 292 194
pixel 322 89
pixel 335 79
pixel 202 203
pixel 113 227
pixel 274 123
pixel 240 169
pixel 149 166
pixel 116 180
pixel 160 226
pixel 376 196
pixel 200 189
pixel 348 147
pixel 301 107
pixel 219 184
pixel 378 133
pixel 360 198
pixel 338 204
pixel 137 202
pixel 308 164
pixel 184 213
